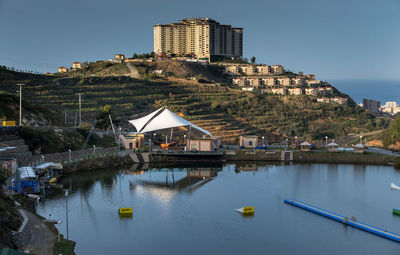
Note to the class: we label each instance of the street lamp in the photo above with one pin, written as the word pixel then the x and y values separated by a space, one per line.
pixel 360 139
pixel 66 209
pixel 42 157
pixel 150 144
pixel 184 140
pixel 70 156
pixel 326 141
pixel 263 140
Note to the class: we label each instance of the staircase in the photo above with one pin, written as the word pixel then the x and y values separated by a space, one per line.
pixel 11 146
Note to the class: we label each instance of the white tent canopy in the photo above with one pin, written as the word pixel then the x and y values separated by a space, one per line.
pixel 162 119
pixel 141 122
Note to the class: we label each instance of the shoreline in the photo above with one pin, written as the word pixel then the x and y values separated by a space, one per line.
pixel 369 158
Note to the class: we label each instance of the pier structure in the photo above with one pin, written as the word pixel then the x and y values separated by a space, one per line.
pixel 345 220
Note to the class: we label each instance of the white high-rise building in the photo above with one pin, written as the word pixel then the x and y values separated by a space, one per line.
pixel 200 37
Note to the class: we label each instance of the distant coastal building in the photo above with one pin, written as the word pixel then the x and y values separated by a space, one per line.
pixel 201 37
pixel 249 69
pixel 391 108
pixel 119 56
pixel 372 105
pixel 62 69
pixel 76 65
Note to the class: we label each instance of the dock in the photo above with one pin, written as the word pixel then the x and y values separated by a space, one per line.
pixel 345 220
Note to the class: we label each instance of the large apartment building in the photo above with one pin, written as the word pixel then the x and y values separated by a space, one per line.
pixel 202 37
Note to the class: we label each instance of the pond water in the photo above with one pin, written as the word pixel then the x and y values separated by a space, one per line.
pixel 190 210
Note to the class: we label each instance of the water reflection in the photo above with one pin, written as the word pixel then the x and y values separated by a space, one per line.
pixel 193 205
pixel 359 174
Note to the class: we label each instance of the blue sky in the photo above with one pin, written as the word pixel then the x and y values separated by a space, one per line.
pixel 334 39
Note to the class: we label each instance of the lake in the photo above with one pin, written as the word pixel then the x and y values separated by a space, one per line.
pixel 190 210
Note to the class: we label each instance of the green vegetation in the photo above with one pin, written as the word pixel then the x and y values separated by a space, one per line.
pixel 9 109
pixel 392 136
pixel 218 108
pixel 65 247
pixel 103 119
pixel 50 141
pixel 99 68
pixel 144 55
pixel 9 218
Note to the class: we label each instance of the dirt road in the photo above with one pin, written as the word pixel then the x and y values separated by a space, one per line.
pixel 134 72
pixel 36 237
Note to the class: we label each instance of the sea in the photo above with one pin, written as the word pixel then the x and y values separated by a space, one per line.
pixel 380 90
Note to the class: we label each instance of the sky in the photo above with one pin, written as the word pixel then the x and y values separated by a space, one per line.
pixel 340 39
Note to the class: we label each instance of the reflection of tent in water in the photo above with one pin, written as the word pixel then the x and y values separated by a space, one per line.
pixel 194 179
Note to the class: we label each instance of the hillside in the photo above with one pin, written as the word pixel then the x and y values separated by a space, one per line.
pixel 34 114
pixel 145 70
pixel 222 110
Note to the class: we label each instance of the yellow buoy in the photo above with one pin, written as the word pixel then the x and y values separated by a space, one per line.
pixel 125 211
pixel 246 210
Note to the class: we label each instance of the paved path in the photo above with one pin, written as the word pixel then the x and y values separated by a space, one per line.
pixel 383 151
pixel 37 237
pixel 134 72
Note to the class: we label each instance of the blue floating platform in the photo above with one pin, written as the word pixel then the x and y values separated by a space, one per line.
pixel 345 220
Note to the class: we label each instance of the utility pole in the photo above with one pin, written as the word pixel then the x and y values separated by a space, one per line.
pixel 113 129
pixel 20 102
pixel 80 108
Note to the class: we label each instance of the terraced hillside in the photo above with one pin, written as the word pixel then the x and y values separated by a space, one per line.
pixel 222 110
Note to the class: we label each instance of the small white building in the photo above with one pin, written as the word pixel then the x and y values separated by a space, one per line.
pixel 248 141
pixel 305 146
pixel 333 147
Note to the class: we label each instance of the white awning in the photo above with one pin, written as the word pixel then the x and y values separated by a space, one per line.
pixel 305 144
pixel 141 122
pixel 333 144
pixel 165 119
pixel 26 172
pixel 360 146
pixel 49 165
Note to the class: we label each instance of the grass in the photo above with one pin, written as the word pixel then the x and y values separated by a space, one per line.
pixel 65 247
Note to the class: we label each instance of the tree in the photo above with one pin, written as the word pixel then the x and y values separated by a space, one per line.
pixel 253 59
pixel 393 134
pixel 103 119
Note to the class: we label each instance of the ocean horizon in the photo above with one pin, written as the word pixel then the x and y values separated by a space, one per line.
pixel 380 90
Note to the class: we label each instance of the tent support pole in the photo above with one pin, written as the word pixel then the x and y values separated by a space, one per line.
pixel 190 132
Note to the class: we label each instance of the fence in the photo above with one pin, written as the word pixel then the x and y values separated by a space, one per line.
pixel 73 156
